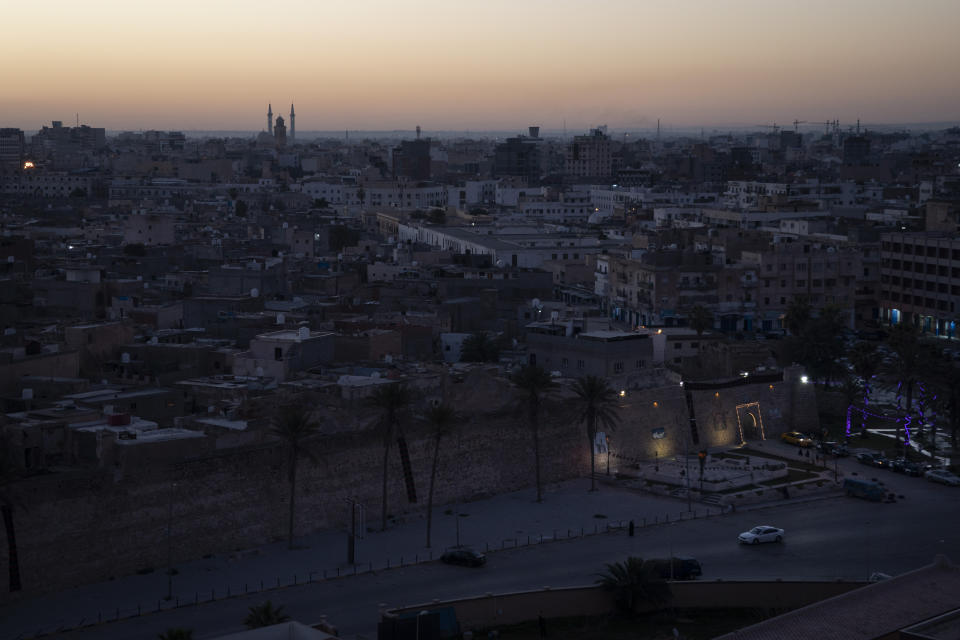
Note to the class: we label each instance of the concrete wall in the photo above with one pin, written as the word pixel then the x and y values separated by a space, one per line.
pixel 113 522
pixel 492 610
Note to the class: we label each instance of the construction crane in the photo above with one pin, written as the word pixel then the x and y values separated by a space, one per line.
pixel 799 122
pixel 773 126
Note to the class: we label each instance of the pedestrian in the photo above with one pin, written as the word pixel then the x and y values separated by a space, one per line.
pixel 631 528
pixel 543 623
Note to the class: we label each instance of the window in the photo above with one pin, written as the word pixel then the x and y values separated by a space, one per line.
pixel 640 364
pixel 677 360
pixel 803 283
pixel 618 367
pixel 580 364
pixel 277 353
pixel 565 363
pixel 678 345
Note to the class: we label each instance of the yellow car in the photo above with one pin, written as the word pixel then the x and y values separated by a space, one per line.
pixel 797 438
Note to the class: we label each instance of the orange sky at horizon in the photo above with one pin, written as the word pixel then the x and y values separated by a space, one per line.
pixel 496 65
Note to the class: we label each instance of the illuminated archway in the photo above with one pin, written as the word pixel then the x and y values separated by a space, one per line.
pixel 750 421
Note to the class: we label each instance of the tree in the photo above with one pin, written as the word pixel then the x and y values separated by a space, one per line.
pixel 233 193
pixel 797 316
pixel 294 427
pixel 700 319
pixel 441 419
pixel 361 195
pixel 908 363
pixel 944 376
pixel 633 582
pixel 8 474
pixel 534 381
pixel 596 407
pixel 390 399
pixel 265 615
pixel 479 347
pixel 866 362
pixel 176 634
pixel 240 209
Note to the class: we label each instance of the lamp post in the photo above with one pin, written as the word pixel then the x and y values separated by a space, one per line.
pixel 173 485
pixel 608 454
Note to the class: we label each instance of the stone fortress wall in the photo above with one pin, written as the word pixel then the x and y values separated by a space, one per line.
pixel 80 526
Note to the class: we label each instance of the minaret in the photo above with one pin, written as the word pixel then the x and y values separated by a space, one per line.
pixel 293 126
pixel 270 119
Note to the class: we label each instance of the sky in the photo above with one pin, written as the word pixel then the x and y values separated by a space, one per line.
pixel 488 65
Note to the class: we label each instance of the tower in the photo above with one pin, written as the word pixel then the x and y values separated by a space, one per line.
pixel 280 133
pixel 293 126
pixel 270 119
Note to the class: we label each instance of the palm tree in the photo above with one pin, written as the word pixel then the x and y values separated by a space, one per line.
pixel 441 418
pixel 391 399
pixel 908 362
pixel 633 582
pixel 8 474
pixel 596 406
pixel 265 615
pixel 700 319
pixel 294 426
pixel 534 381
pixel 479 347
pixel 176 634
pixel 866 362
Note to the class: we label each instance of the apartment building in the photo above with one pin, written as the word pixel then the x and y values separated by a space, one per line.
pixel 920 280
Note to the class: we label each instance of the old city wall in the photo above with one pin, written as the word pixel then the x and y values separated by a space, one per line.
pixel 81 527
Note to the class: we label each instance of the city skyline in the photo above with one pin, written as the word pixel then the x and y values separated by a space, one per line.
pixel 374 66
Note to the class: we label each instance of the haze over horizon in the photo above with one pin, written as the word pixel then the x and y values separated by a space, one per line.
pixel 496 66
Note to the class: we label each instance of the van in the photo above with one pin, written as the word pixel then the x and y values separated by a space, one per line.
pixel 683 568
pixel 866 489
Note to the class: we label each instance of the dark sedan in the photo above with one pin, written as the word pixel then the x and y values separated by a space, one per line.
pixel 873 460
pixel 464 556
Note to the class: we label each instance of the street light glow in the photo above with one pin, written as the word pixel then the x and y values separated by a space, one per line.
pixel 804 379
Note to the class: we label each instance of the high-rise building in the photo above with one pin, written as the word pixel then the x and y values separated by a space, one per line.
pixel 590 156
pixel 11 149
pixel 520 156
pixel 412 159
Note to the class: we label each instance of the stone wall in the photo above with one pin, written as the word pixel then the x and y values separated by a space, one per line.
pixel 84 526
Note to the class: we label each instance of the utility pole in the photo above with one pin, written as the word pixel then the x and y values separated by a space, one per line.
pixel 173 486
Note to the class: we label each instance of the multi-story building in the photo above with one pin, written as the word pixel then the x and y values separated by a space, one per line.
pixel 920 280
pixel 520 157
pixel 590 156
pixel 11 149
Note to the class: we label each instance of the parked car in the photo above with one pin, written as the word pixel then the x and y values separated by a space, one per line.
pixel 763 533
pixel 873 459
pixel 902 465
pixel 943 477
pixel 797 438
pixel 832 448
pixel 677 568
pixel 464 556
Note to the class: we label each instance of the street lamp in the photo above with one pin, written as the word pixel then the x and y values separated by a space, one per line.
pixel 173 485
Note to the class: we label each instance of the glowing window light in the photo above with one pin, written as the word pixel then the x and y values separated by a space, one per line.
pixel 28 165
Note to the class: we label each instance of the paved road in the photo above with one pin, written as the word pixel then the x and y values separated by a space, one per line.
pixel 842 537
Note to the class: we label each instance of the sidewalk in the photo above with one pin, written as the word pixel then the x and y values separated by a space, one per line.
pixel 505 521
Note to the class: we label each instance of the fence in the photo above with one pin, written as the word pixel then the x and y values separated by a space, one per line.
pixel 235 590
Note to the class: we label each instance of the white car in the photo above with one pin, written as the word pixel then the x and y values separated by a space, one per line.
pixel 942 476
pixel 763 533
